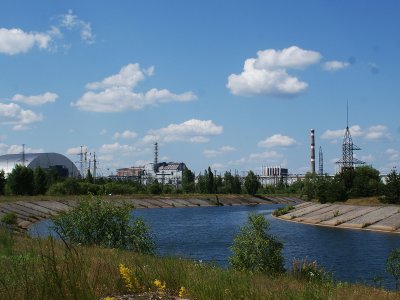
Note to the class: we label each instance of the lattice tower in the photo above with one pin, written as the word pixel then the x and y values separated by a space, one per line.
pixel 320 162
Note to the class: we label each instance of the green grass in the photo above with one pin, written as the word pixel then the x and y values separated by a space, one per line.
pixel 45 269
pixel 282 211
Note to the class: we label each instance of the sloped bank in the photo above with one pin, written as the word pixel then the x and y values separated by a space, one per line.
pixel 375 218
pixel 30 212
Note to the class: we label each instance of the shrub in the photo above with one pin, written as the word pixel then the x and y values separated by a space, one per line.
pixel 9 218
pixel 282 211
pixel 393 265
pixel 255 249
pixel 309 271
pixel 20 181
pixel 100 222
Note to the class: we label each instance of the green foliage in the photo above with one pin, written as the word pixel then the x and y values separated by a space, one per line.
pixel 6 243
pixel 39 181
pixel 254 249
pixel 188 185
pixel 155 188
pixel 210 181
pixel 102 223
pixel 392 189
pixel 283 210
pixel 20 181
pixel 251 183
pixel 231 184
pixel 89 177
pixel 393 265
pixel 2 182
pixel 9 218
pixel 366 182
pixel 309 271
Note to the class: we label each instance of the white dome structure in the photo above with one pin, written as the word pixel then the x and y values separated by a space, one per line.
pixel 63 165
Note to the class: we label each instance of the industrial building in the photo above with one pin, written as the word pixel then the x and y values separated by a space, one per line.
pixel 274 176
pixel 164 172
pixel 63 165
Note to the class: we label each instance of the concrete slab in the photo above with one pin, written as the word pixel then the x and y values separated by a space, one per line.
pixel 331 212
pixel 53 205
pixel 33 206
pixel 306 210
pixel 389 224
pixel 350 215
pixel 371 217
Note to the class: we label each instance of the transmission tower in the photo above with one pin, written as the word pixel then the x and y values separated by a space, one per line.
pixel 348 161
pixel 320 162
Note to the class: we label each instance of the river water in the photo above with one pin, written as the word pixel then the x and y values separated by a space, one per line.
pixel 206 233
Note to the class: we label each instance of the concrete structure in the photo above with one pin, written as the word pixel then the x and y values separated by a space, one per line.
pixel 274 176
pixel 64 166
pixel 164 173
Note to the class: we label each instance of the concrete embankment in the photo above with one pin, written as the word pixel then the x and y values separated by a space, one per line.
pixel 29 212
pixel 376 218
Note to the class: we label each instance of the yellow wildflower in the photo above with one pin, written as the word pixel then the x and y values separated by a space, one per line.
pixel 109 298
pixel 130 281
pixel 160 286
pixel 182 292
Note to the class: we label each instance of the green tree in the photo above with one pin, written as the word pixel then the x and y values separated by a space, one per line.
pixel 39 181
pixel 366 182
pixel 20 181
pixel 393 265
pixel 237 185
pixel 155 188
pixel 103 223
pixel 310 186
pixel 89 177
pixel 188 185
pixel 255 249
pixel 218 185
pixel 2 182
pixel 201 185
pixel 210 181
pixel 392 188
pixel 251 183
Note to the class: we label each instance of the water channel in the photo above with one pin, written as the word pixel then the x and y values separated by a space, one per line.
pixel 206 233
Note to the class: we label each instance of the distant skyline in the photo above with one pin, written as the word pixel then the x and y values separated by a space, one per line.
pixel 235 85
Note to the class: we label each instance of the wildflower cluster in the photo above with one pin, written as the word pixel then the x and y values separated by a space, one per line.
pixel 131 282
pixel 161 287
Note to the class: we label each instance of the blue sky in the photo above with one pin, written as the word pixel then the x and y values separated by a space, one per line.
pixel 236 85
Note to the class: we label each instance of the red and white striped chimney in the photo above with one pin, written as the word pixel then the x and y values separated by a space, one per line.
pixel 312 152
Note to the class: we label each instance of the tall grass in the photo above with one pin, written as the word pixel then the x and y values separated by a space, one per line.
pixel 49 269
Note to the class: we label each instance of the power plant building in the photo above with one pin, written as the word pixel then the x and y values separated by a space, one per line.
pixel 63 165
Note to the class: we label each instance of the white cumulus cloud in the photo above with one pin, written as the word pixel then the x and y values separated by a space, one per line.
pixel 127 134
pixel 267 74
pixel 193 131
pixel 393 154
pixel 277 140
pixel 19 118
pixel 261 157
pixel 335 65
pixel 47 97
pixel 220 151
pixel 72 22
pixel 116 93
pixel 377 132
pixel 329 134
pixel 15 40
pixel 17 149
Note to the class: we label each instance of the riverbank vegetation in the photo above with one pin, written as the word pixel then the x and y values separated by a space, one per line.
pixel 46 269
pixel 101 262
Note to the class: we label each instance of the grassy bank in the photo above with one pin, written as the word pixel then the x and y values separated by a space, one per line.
pixel 44 269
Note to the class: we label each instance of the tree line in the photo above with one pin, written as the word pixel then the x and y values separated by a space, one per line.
pixel 363 181
pixel 25 181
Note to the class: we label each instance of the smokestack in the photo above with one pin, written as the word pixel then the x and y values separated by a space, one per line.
pixel 155 153
pixel 312 152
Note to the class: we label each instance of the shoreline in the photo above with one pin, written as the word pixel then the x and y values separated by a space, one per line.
pixel 383 219
pixel 29 212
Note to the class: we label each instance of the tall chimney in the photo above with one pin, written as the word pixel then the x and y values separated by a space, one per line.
pixel 312 152
pixel 155 153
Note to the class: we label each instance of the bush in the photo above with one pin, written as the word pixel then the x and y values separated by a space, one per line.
pixel 309 271
pixel 119 188
pixel 102 223
pixel 9 218
pixel 255 249
pixel 283 210
pixel 20 181
pixel 393 265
